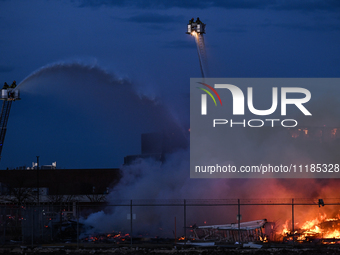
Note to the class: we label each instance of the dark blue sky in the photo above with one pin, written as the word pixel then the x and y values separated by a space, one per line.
pixel 70 114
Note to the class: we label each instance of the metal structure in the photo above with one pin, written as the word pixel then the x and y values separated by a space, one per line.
pixel 196 26
pixel 250 231
pixel 8 94
pixel 55 222
pixel 197 29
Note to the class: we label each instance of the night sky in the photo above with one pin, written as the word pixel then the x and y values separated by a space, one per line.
pixel 114 67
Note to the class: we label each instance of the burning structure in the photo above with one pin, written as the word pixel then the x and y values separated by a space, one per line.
pixel 251 231
pixel 320 229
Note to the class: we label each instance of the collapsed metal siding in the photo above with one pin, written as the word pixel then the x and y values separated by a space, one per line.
pixel 250 231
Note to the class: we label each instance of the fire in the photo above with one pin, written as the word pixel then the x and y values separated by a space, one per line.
pixel 311 225
pixel 334 234
pixel 112 237
pixel 264 239
pixel 333 132
pixel 321 227
pixel 285 230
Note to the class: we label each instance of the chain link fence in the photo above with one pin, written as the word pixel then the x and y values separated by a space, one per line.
pixel 135 221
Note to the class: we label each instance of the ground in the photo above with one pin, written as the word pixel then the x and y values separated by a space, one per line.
pixel 163 251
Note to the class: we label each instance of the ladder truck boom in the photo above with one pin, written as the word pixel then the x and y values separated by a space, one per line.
pixel 8 94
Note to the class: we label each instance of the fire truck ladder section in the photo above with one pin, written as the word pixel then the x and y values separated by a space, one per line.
pixel 6 107
pixel 201 52
pixel 8 94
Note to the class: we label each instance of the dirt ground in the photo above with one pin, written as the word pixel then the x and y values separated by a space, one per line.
pixel 163 251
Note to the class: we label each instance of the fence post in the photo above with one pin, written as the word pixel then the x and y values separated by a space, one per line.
pixel 131 217
pixel 5 223
pixel 175 231
pixel 77 213
pixel 239 221
pixel 32 218
pixel 293 218
pixel 185 221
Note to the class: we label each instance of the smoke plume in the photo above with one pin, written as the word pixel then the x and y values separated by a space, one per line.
pixel 124 115
pixel 148 181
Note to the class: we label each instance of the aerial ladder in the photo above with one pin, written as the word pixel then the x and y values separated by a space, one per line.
pixel 201 52
pixel 8 94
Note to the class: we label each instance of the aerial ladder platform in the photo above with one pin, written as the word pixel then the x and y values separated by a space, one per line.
pixel 197 29
pixel 8 95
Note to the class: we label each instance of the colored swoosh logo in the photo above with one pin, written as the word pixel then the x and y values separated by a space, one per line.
pixel 209 93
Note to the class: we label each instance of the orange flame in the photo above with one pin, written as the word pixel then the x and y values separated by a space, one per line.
pixel 320 227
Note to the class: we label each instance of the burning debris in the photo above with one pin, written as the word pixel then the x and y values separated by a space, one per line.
pixel 321 229
pixel 320 134
pixel 116 238
pixel 251 231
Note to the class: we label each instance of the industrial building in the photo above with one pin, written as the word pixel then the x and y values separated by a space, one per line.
pixel 156 145
pixel 61 181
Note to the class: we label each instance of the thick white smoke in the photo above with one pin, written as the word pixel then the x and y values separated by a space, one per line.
pixel 148 182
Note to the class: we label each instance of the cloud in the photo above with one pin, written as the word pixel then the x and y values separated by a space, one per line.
pixel 307 27
pixel 153 18
pixel 155 21
pixel 243 4
pixel 199 4
pixel 146 4
pixel 307 5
